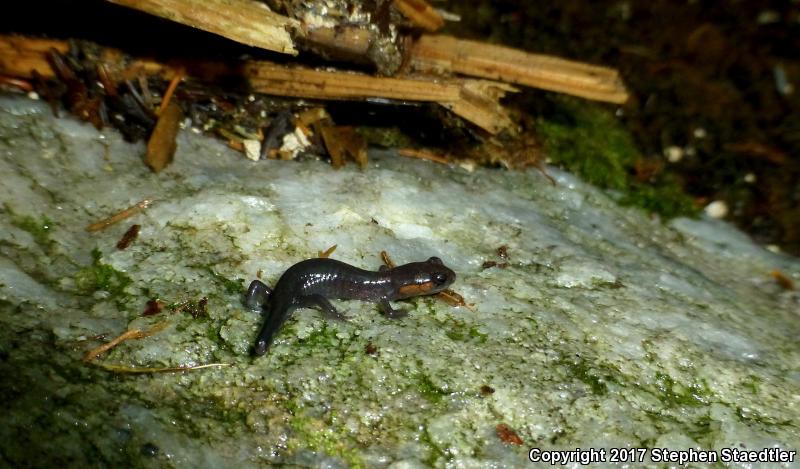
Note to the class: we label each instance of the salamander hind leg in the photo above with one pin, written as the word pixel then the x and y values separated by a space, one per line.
pixel 322 303
pixel 257 295
pixel 390 312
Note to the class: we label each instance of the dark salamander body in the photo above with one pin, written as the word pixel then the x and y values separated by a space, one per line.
pixel 312 282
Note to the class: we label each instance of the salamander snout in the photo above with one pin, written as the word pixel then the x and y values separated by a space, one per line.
pixel 443 278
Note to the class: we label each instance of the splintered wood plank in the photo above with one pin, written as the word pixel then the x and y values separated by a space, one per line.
pixel 245 21
pixel 304 82
pixel 476 101
pixel 433 53
pixel 479 103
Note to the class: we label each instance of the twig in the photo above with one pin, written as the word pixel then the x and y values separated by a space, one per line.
pixel 132 210
pixel 16 82
pixel 127 335
pixel 422 155
pixel 145 370
pixel 179 74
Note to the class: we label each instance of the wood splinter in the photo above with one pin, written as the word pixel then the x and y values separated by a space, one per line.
pixel 132 210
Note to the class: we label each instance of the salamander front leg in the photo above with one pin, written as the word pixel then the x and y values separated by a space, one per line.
pixel 390 312
pixel 257 295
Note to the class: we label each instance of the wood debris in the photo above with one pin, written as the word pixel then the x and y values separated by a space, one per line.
pixel 477 101
pixel 327 253
pixel 445 54
pixel 132 210
pixel 173 84
pixel 452 298
pixel 783 280
pixel 422 155
pixel 162 145
pixel 468 78
pixel 420 13
pixel 246 21
pixel 346 43
pixel 16 83
pixel 341 141
pixel 139 370
pixel 127 335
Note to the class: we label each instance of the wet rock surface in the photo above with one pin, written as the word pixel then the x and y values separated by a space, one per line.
pixel 595 327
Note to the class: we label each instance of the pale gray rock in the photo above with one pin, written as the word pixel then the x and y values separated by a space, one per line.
pixel 605 329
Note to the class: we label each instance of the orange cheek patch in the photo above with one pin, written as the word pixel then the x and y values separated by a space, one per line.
pixel 416 289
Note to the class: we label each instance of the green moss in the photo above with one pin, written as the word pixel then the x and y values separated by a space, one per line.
pixel 426 387
pixel 213 334
pixel 39 228
pixel 666 199
pixel 436 453
pixel 323 338
pixel 702 430
pixel 387 137
pixel 675 394
pixel 477 334
pixel 455 334
pixel 582 371
pixel 232 287
pixel 317 435
pixel 752 383
pixel 587 139
pixel 460 331
pixel 101 277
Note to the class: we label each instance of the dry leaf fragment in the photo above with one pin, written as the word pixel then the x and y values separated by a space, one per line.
pixel 783 280
pixel 128 237
pixel 508 435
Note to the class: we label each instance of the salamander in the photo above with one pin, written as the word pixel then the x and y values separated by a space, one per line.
pixel 310 283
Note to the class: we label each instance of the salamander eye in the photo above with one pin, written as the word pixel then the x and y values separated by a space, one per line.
pixel 439 278
pixel 435 260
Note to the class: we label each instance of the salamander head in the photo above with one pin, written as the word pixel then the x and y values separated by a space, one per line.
pixel 421 278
